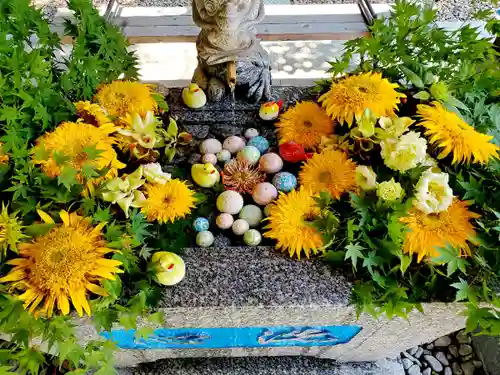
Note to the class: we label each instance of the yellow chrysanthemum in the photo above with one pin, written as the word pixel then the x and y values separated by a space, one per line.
pixel 168 202
pixel 64 264
pixel 91 113
pixel 122 97
pixel 331 171
pixel 349 97
pixel 428 233
pixel 4 157
pixel 73 140
pixel 305 123
pixel 289 223
pixel 455 136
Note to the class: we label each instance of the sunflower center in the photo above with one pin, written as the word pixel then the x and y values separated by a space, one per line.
pixel 169 199
pixel 80 158
pixel 88 118
pixel 308 124
pixel 56 257
pixel 325 177
pixel 363 89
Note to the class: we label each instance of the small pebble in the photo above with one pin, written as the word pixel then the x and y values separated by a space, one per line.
pixel 441 357
pixel 434 363
pixel 463 337
pixel 465 349
pixel 447 371
pixel 467 357
pixel 413 350
pixel 457 370
pixel 194 158
pixel 210 146
pixel 478 364
pixel 453 350
pixel 468 368
pixel 412 358
pixel 427 371
pixel 442 341
pixel 427 352
pixel 251 132
pixel 414 370
pixel 407 363
pixel 419 352
pixel 209 158
pixel 449 356
pixel 430 346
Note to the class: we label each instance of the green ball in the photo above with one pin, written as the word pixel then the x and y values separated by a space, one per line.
pixel 251 214
pixel 252 237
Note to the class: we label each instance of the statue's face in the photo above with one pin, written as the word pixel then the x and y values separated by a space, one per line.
pixel 238 8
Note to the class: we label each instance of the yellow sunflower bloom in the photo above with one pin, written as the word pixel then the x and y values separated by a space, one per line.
pixel 65 264
pixel 448 131
pixel 428 233
pixel 305 123
pixel 349 97
pixel 288 223
pixel 331 171
pixel 4 157
pixel 122 97
pixel 91 113
pixel 168 202
pixel 71 140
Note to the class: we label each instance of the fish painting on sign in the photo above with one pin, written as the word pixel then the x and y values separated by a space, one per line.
pixel 238 337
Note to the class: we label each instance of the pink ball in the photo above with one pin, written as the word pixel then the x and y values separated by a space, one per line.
pixel 264 193
pixel 271 163
pixel 224 221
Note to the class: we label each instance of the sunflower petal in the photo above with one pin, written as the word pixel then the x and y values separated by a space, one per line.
pixel 45 217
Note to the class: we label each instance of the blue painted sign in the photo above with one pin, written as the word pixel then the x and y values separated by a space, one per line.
pixel 241 337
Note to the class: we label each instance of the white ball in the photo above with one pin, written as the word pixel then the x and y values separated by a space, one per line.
pixel 251 132
pixel 224 221
pixel 252 237
pixel 209 158
pixel 271 163
pixel 223 155
pixel 264 193
pixel 204 238
pixel 240 226
pixel 230 202
pixel 210 146
pixel 251 214
pixel 233 144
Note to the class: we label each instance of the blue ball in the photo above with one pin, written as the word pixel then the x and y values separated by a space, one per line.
pixel 201 224
pixel 260 143
pixel 285 181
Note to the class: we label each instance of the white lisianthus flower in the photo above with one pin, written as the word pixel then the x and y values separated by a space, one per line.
pixel 154 174
pixel 433 193
pixel 405 153
pixel 390 191
pixel 366 178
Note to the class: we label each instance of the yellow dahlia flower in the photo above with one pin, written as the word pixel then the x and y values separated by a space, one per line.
pixel 331 171
pixel 65 264
pixel 351 96
pixel 428 233
pixel 289 223
pixel 305 124
pixel 168 202
pixel 122 97
pixel 73 140
pixel 448 131
pixel 92 114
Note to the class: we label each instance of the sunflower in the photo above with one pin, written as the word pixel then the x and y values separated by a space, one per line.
pixel 4 157
pixel 305 124
pixel 64 264
pixel 331 171
pixel 428 233
pixel 10 231
pixel 349 97
pixel 240 176
pixel 455 136
pixel 73 141
pixel 289 223
pixel 168 202
pixel 92 114
pixel 122 97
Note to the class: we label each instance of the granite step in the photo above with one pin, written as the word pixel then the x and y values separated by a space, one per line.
pixel 264 366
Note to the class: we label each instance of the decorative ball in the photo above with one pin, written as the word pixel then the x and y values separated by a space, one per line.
pixel 223 156
pixel 252 237
pixel 210 146
pixel 260 142
pixel 240 226
pixel 264 193
pixel 224 221
pixel 251 214
pixel 271 163
pixel 205 238
pixel 251 132
pixel 233 144
pixel 250 153
pixel 209 158
pixel 267 208
pixel 230 202
pixel 201 224
pixel 285 181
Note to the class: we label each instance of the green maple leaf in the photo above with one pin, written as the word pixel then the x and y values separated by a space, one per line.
pixel 92 152
pixel 102 214
pixel 89 171
pixel 67 177
pixel 371 260
pixel 60 158
pixel 143 333
pixel 157 317
pixel 353 252
pixel 450 256
pixel 465 291
pixel 473 190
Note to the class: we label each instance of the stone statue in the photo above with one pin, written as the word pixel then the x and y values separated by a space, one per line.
pixel 229 54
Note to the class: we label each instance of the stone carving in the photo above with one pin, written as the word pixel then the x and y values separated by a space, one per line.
pixel 229 53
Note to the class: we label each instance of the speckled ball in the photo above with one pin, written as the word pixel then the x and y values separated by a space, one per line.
pixel 251 214
pixel 209 158
pixel 230 202
pixel 205 238
pixel 285 181
pixel 271 163
pixel 264 193
pixel 251 132
pixel 224 221
pixel 252 237
pixel 201 224
pixel 251 154
pixel 210 146
pixel 233 144
pixel 240 226
pixel 223 156
pixel 260 143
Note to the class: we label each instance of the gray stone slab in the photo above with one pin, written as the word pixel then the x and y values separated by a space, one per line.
pixel 488 351
pixel 244 276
